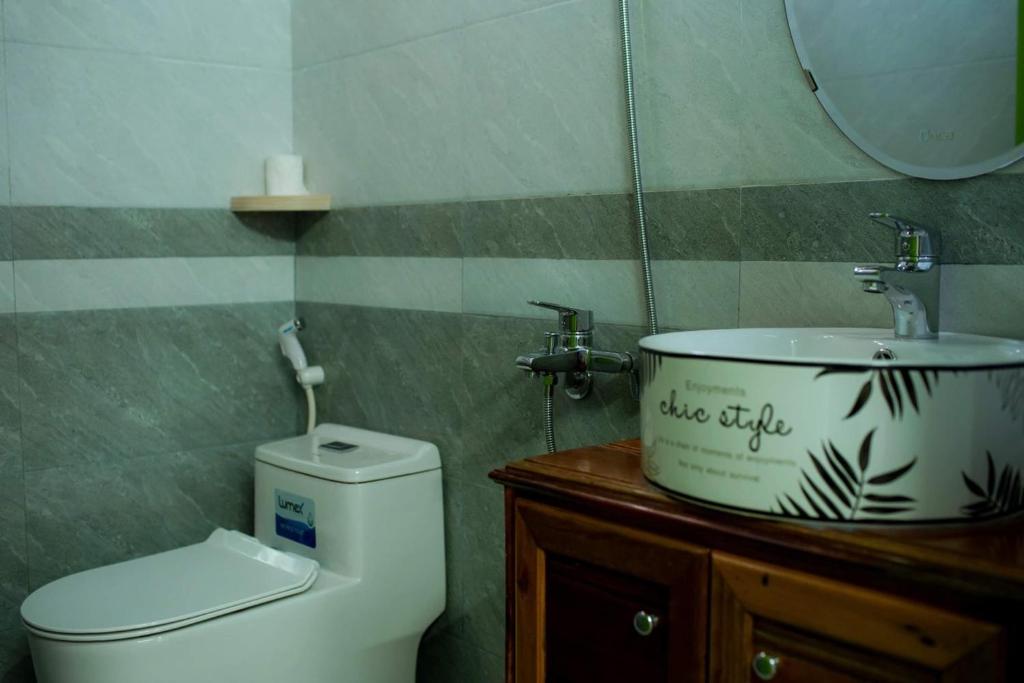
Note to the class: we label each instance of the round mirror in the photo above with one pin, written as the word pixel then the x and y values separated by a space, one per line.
pixel 930 88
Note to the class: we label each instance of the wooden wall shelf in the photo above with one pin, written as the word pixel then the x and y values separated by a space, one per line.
pixel 305 202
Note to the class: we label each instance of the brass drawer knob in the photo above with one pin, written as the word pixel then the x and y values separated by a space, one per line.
pixel 644 623
pixel 765 666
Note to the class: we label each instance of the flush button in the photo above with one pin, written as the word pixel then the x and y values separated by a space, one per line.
pixel 338 446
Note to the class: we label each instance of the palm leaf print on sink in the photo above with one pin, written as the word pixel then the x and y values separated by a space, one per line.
pixel 901 389
pixel 832 489
pixel 1000 495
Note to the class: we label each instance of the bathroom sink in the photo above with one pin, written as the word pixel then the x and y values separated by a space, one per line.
pixel 836 425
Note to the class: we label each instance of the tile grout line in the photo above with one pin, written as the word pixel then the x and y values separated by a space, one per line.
pixel 460 27
pixel 123 52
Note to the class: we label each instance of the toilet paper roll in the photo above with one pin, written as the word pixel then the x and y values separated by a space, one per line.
pixel 284 175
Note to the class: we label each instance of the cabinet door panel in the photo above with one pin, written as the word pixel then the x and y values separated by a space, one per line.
pixel 823 630
pixel 578 584
pixel 808 658
pixel 589 625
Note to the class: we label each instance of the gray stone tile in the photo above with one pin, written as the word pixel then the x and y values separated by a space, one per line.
pixel 105 386
pixel 978 219
pixel 983 300
pixel 10 413
pixel 503 414
pixel 432 229
pixel 444 659
pixel 691 95
pixel 57 232
pixel 13 557
pixel 695 225
pixel 343 232
pixel 419 283
pixel 693 295
pixel 401 139
pixel 776 294
pixel 826 222
pixel 13 550
pixel 15 662
pixel 390 370
pixel 476 561
pixel 93 515
pixel 409 230
pixel 578 227
pixel 540 112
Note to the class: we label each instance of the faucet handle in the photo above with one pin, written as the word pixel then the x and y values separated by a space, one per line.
pixel 914 244
pixel 570 320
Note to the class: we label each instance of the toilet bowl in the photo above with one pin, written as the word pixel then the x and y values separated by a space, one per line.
pixel 344 575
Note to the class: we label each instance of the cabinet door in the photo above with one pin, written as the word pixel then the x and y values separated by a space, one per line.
pixel 770 623
pixel 598 602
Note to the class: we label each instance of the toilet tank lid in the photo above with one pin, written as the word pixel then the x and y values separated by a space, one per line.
pixel 363 456
pixel 227 572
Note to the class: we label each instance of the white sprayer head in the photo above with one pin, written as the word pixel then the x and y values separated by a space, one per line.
pixel 288 339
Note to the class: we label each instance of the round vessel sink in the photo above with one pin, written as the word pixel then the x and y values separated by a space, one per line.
pixel 836 425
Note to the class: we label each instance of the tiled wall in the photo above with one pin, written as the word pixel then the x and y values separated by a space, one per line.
pixel 479 150
pixel 144 103
pixel 443 100
pixel 456 99
pixel 138 368
pixel 138 364
pixel 418 311
pixel 484 141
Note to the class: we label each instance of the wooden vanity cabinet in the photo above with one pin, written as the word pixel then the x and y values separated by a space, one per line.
pixel 587 592
pixel 609 579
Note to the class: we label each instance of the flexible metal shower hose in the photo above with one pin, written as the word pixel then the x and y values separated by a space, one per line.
pixel 549 415
pixel 634 157
pixel 641 215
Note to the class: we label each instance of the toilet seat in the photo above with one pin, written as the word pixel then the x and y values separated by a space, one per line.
pixel 230 571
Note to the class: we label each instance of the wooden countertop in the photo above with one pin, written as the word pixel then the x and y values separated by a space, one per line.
pixel 984 560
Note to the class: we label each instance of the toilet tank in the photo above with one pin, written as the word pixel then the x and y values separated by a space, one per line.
pixel 363 504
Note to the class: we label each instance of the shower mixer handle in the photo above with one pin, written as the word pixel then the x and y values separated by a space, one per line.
pixel 571 320
pixel 570 352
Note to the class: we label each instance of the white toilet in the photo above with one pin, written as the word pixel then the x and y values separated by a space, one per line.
pixel 345 574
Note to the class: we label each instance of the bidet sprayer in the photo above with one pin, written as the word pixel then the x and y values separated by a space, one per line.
pixel 291 348
pixel 307 376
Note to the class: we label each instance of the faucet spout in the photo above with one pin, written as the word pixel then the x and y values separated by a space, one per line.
pixel 914 298
pixel 910 313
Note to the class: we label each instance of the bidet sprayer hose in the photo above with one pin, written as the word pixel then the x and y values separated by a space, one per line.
pixel 311 409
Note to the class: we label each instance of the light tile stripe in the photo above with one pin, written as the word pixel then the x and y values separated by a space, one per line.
pixel 691 294
pixel 424 284
pixel 983 300
pixel 6 287
pixel 91 284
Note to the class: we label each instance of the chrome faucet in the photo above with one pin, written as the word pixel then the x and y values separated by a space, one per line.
pixel 912 285
pixel 569 352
